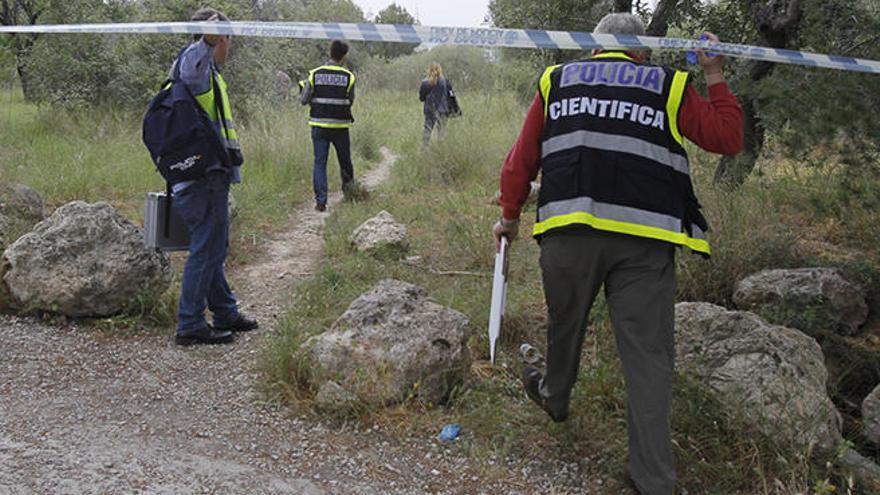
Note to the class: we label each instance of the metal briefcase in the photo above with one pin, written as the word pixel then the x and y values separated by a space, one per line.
pixel 156 236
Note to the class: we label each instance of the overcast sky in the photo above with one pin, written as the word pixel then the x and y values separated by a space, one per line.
pixel 435 12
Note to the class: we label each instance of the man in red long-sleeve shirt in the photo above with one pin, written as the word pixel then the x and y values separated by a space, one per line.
pixel 616 200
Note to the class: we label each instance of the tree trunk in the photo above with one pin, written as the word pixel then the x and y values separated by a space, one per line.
pixel 623 6
pixel 732 171
pixel 776 30
pixel 660 18
pixel 23 45
pixel 14 12
pixel 23 78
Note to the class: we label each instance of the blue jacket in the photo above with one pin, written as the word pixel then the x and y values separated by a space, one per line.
pixel 435 96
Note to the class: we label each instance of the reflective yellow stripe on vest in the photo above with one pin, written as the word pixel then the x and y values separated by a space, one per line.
pixel 330 123
pixel 545 87
pixel 673 104
pixel 206 101
pixel 620 219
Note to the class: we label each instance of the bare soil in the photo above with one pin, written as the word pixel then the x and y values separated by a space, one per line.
pixel 86 411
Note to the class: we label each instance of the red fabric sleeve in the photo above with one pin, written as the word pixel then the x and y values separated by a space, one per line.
pixel 716 125
pixel 522 163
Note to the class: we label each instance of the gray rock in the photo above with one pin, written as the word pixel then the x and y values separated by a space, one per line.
pixel 282 85
pixel 392 343
pixel 810 299
pixel 20 209
pixel 84 260
pixel 380 233
pixel 332 397
pixel 871 416
pixel 774 374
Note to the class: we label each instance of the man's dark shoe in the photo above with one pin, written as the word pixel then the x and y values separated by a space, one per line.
pixel 241 324
pixel 531 380
pixel 628 481
pixel 320 207
pixel 204 336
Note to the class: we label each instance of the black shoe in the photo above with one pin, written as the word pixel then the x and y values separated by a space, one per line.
pixel 241 324
pixel 320 207
pixel 628 481
pixel 204 335
pixel 531 380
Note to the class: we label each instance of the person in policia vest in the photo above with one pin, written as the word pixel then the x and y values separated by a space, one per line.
pixel 616 200
pixel 203 204
pixel 329 90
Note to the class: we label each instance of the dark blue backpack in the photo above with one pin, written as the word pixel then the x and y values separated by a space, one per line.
pixel 179 134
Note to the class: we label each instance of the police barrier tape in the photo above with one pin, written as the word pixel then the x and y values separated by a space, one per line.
pixel 488 37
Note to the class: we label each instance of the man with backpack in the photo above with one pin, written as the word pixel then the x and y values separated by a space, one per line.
pixel 329 90
pixel 203 201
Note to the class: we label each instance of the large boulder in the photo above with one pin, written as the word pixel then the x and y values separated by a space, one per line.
pixel 392 343
pixel 84 260
pixel 381 233
pixel 810 299
pixel 871 416
pixel 20 209
pixel 774 374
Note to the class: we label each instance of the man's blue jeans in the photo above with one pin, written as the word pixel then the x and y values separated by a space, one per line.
pixel 321 139
pixel 204 207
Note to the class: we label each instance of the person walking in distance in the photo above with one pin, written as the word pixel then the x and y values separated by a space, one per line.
pixel 434 92
pixel 329 90
pixel 203 204
pixel 616 200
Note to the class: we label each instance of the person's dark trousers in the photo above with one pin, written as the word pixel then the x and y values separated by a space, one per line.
pixel 321 140
pixel 432 120
pixel 204 207
pixel 639 279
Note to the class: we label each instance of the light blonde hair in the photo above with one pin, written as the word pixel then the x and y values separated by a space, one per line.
pixel 435 72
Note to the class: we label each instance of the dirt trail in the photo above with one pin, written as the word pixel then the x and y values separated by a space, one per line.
pixel 84 412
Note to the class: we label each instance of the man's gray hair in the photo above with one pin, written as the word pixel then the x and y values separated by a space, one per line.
pixel 620 23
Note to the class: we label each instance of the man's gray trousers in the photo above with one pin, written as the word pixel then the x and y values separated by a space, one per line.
pixel 639 279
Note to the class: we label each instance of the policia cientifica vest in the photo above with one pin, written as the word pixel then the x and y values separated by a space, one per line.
pixel 612 155
pixel 331 103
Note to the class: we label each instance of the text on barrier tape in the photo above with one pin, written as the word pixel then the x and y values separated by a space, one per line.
pixel 489 37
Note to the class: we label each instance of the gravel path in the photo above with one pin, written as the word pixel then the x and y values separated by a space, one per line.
pixel 83 411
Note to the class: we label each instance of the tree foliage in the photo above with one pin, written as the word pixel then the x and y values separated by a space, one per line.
pixel 394 14
pixel 813 115
pixel 127 70
pixel 561 15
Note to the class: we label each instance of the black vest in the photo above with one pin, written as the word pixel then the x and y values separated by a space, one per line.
pixel 612 155
pixel 330 103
